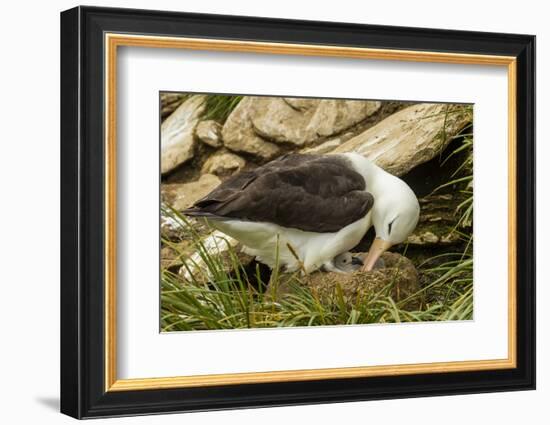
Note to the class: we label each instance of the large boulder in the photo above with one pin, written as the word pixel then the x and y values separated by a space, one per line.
pixel 258 125
pixel 325 147
pixel 409 137
pixel 177 133
pixel 306 121
pixel 182 195
pixel 239 136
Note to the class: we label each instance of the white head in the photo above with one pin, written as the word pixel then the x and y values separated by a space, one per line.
pixel 394 216
pixel 395 211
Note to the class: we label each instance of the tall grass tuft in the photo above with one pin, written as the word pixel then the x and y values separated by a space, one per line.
pixel 218 107
pixel 218 295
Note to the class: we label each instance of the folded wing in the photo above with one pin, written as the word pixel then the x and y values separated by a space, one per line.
pixel 307 192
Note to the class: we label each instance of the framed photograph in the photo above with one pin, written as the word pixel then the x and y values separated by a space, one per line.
pixel 261 212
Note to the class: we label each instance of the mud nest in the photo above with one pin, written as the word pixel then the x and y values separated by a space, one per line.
pixel 397 278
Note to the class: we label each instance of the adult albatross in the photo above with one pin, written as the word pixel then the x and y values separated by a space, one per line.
pixel 301 211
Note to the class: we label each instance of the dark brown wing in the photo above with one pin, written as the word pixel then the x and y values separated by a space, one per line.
pixel 307 192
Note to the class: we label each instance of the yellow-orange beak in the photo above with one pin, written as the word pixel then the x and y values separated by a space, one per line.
pixel 378 247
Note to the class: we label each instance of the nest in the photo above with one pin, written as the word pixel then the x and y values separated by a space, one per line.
pixel 397 278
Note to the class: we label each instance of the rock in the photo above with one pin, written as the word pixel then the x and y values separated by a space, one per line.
pixel 182 195
pixel 169 103
pixel 177 141
pixel 223 164
pixel 437 222
pixel 305 121
pixel 170 229
pixel 209 132
pixel 424 238
pixel 171 257
pixel 325 147
pixel 239 136
pixel 398 274
pixel 409 137
pixel 258 125
pixel 216 244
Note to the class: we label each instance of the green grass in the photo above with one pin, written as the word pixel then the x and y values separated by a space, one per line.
pixel 218 107
pixel 462 179
pixel 220 297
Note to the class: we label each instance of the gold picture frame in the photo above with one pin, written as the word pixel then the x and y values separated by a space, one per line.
pixel 114 41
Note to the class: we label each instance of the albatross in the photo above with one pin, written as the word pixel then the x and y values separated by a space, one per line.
pixel 303 211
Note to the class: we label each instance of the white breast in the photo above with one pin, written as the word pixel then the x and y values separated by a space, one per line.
pixel 272 244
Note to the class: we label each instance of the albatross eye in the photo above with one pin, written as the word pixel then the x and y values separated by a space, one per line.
pixel 390 225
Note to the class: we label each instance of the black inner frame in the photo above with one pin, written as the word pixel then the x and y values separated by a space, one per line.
pixel 82 212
